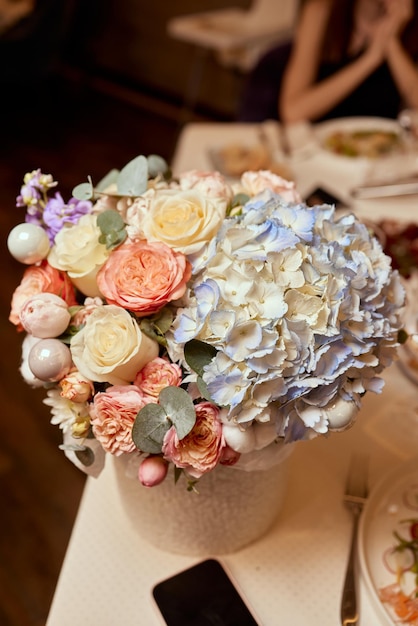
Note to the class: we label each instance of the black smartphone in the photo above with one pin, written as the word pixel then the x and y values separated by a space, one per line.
pixel 321 196
pixel 203 595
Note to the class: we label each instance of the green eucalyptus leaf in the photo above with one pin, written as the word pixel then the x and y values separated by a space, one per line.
pixel 110 220
pixel 179 409
pixel 156 165
pixel 150 426
pixel 163 320
pixel 133 178
pixel 111 178
pixel 83 191
pixel 86 456
pixel 203 389
pixel 198 354
pixel 240 199
pixel 112 227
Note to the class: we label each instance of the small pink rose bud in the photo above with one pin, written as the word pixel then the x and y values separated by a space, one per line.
pixel 229 456
pixel 76 387
pixel 152 471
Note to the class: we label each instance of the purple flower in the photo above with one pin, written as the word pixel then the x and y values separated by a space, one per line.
pixel 29 197
pixel 57 212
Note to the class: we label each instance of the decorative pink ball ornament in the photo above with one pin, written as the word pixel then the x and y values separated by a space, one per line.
pixel 50 360
pixel 28 243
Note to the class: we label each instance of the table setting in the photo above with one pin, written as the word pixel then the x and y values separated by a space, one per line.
pixel 195 378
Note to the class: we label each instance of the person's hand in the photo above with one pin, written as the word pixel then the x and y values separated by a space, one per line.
pixel 397 15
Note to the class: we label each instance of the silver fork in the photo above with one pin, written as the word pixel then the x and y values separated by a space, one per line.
pixel 355 496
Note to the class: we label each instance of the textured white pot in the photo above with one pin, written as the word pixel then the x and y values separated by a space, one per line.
pixel 232 509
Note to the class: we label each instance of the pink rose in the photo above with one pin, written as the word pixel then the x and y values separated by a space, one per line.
pixel 37 279
pixel 156 375
pixel 200 451
pixel 143 277
pixel 45 315
pixel 211 184
pixel 152 471
pixel 254 183
pixel 112 414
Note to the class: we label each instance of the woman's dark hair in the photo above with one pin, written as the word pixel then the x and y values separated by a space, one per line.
pixel 340 26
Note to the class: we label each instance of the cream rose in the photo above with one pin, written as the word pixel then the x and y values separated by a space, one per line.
pixel 184 220
pixel 78 252
pixel 110 347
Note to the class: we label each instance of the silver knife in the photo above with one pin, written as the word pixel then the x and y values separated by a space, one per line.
pixel 386 190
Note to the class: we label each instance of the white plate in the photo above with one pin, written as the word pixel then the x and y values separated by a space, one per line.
pixel 351 124
pixel 384 510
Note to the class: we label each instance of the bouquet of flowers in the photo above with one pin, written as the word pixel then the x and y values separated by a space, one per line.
pixel 193 321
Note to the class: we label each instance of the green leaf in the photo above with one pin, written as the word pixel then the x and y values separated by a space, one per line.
pixel 110 220
pixel 156 165
pixel 86 456
pixel 150 426
pixel 198 354
pixel 240 199
pixel 133 178
pixel 203 389
pixel 175 408
pixel 112 227
pixel 84 191
pixel 111 178
pixel 156 326
pixel 179 409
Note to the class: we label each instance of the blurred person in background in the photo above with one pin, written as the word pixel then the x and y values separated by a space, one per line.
pixel 351 57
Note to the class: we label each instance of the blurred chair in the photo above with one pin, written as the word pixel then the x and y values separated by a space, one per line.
pixel 238 37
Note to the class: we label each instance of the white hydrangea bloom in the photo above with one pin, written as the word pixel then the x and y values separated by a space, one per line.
pixel 303 310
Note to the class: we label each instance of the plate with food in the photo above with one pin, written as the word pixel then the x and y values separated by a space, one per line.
pixel 388 545
pixel 360 137
pixel 235 158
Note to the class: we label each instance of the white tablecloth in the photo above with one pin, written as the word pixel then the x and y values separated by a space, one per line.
pixel 293 575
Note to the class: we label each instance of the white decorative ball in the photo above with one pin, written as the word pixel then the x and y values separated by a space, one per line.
pixel 341 414
pixel 50 360
pixel 28 243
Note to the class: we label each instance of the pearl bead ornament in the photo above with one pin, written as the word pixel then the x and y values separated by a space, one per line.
pixel 50 360
pixel 28 243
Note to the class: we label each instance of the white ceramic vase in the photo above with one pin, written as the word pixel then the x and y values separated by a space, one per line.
pixel 232 508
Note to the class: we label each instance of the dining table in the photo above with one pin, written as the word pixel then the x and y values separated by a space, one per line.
pixel 294 574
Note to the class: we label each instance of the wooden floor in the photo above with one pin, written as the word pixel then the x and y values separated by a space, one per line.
pixel 70 133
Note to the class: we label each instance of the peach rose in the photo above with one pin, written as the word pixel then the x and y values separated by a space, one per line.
pixel 200 451
pixel 143 277
pixel 254 183
pixel 76 387
pixel 38 279
pixel 112 414
pixel 156 375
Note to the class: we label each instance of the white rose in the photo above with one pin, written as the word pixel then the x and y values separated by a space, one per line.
pixel 78 252
pixel 111 347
